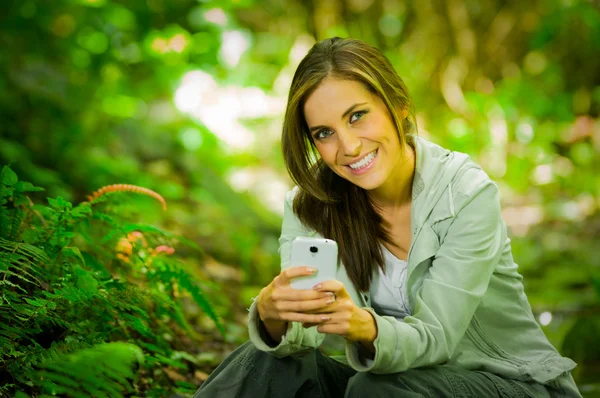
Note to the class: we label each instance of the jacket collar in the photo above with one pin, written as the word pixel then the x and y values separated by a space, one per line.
pixel 434 170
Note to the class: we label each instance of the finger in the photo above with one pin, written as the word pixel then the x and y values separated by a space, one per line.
pixel 331 321
pixel 289 294
pixel 333 328
pixel 288 274
pixel 305 318
pixel 320 305
pixel 332 285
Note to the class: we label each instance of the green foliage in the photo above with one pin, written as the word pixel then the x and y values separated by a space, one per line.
pixel 73 279
pixel 105 370
pixel 95 101
pixel 88 93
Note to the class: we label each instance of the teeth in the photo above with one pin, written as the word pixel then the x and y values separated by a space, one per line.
pixel 364 161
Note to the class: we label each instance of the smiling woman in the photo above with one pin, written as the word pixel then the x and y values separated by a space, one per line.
pixel 427 300
pixel 339 139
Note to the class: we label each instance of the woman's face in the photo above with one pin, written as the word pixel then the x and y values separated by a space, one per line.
pixel 353 132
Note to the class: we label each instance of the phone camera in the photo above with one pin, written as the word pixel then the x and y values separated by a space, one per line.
pixel 314 249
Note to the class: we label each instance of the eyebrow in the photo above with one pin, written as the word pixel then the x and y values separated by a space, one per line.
pixel 314 128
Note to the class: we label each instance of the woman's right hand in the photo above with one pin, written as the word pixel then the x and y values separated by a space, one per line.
pixel 278 303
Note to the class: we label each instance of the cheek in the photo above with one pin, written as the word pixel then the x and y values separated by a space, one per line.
pixel 327 153
pixel 375 129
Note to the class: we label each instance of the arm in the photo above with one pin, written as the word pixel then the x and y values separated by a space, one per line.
pixel 444 306
pixel 295 339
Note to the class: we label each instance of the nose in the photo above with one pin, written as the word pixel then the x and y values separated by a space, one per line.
pixel 350 145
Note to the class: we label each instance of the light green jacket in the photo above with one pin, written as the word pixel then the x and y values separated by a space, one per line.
pixel 466 296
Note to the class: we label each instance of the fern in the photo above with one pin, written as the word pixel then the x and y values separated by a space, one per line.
pixel 17 222
pixel 4 219
pixel 22 261
pixel 184 280
pixel 105 370
pixel 66 292
pixel 109 189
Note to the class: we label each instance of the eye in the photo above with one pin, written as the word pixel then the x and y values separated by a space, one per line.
pixel 322 134
pixel 356 116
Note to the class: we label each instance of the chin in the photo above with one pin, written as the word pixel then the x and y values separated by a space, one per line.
pixel 368 184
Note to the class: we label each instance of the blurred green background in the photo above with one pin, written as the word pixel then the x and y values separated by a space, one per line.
pixel 186 97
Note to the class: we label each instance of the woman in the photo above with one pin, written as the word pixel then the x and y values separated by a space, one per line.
pixel 428 301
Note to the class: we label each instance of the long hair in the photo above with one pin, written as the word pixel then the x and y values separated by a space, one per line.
pixel 327 203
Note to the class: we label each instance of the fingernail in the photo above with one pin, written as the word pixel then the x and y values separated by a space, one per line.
pixel 311 270
pixel 324 318
pixel 317 287
pixel 330 294
pixel 330 300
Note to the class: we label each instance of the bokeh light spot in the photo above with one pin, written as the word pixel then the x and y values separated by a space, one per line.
pixel 63 25
pixel 545 318
pixel 535 62
pixel 390 25
pixel 216 16
pixel 235 43
pixel 191 138
pixel 524 133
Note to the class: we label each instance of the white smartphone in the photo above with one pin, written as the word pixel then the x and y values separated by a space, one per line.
pixel 318 253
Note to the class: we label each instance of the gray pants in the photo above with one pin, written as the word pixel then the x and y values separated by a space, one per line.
pixel 248 372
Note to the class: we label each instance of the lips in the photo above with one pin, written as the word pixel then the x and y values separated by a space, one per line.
pixel 363 161
pixel 364 165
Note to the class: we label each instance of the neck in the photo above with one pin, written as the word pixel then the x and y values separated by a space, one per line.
pixel 397 189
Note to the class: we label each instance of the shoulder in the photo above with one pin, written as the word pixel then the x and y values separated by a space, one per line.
pixel 470 178
pixel 473 188
pixel 459 179
pixel 447 168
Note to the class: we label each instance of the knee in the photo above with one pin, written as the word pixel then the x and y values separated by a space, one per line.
pixel 362 384
pixel 248 369
pixel 382 385
pixel 248 356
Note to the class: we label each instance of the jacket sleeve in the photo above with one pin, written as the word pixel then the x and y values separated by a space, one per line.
pixel 446 302
pixel 297 340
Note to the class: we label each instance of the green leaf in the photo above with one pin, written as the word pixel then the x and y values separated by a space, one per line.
pixel 82 210
pixel 8 177
pixel 24 186
pixel 86 281
pixel 36 302
pixel 54 203
pixel 71 251
pixel 59 203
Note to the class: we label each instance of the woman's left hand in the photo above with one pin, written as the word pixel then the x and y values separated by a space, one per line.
pixel 345 318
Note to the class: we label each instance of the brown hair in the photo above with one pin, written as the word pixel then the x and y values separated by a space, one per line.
pixel 327 203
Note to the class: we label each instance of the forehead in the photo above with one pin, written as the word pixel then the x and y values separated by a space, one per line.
pixel 332 98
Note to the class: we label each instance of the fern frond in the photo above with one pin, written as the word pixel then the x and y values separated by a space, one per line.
pixel 17 222
pixel 35 253
pixel 186 282
pixel 4 221
pixel 168 274
pixel 22 260
pixel 127 188
pixel 105 370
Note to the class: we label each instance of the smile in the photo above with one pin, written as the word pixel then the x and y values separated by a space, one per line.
pixel 364 162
